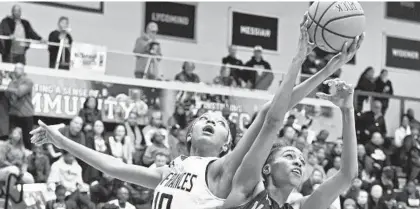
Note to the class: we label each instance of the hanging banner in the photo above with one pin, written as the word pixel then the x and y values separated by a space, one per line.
pixel 88 57
pixel 173 19
pixel 249 30
pixel 403 10
pixel 402 53
pixel 63 97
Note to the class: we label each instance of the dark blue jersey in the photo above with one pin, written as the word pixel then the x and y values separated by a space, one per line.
pixel 263 201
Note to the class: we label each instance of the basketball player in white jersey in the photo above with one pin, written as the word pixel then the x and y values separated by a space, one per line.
pixel 204 179
pixel 282 167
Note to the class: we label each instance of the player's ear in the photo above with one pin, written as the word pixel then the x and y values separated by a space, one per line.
pixel 266 169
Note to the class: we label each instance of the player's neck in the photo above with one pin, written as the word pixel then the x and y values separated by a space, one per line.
pixel 203 152
pixel 279 194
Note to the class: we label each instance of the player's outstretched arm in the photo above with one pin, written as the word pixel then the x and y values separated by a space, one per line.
pixel 327 192
pixel 248 174
pixel 232 161
pixel 110 165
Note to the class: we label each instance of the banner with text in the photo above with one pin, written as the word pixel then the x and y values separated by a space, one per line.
pixel 402 53
pixel 174 19
pixel 249 30
pixel 63 97
pixel 88 57
pixel 403 10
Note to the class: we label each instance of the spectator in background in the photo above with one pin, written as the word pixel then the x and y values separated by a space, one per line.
pixel 90 113
pixel 376 200
pixel 383 86
pixel 96 141
pixel 157 146
pixel 17 28
pixel 369 122
pixel 362 199
pixel 142 46
pixel 151 69
pixel 410 154
pixel 13 158
pixel 286 136
pixel 187 74
pixel 366 83
pixel 21 111
pixel 412 118
pixel 402 131
pixel 104 189
pixel 410 196
pixel 120 145
pixel 225 78
pixel 68 173
pixel 4 111
pixel 375 150
pixel 308 186
pixel 311 65
pixel 62 34
pixel 60 201
pixel 231 59
pixel 39 164
pixel 123 195
pixel 156 123
pixel 179 117
pixel 258 78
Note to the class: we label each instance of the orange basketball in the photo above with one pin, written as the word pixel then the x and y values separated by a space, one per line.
pixel 331 24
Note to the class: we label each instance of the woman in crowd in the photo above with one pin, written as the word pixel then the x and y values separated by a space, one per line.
pixel 95 141
pixel 366 83
pixel 208 138
pixel 90 113
pixel 120 145
pixel 383 86
pixel 13 158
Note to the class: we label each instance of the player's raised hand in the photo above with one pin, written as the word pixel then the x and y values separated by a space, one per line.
pixel 46 134
pixel 305 45
pixel 347 53
pixel 342 95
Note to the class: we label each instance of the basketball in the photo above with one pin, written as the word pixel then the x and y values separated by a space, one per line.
pixel 331 24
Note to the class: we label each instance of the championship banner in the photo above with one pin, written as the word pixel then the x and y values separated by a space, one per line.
pixel 406 10
pixel 63 97
pixel 249 30
pixel 87 57
pixel 402 53
pixel 174 19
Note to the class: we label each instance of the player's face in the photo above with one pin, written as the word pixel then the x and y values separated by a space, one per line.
pixel 210 129
pixel 288 166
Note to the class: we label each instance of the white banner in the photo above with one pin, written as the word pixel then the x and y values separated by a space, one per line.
pixel 87 57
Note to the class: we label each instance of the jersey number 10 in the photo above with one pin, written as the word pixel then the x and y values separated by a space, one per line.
pixel 162 201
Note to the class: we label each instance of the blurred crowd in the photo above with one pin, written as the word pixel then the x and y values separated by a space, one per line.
pixel 389 167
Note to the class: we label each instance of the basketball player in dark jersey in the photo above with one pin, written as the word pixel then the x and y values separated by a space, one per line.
pixel 282 167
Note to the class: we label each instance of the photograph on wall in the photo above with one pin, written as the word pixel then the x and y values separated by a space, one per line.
pixel 402 53
pixel 405 10
pixel 176 20
pixel 249 30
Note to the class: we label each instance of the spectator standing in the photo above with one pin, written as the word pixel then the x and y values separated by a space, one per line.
pixel 90 113
pixel 39 164
pixel 62 34
pixel 366 83
pixel 231 59
pixel 412 117
pixel 187 74
pixel 17 28
pixel 151 70
pixel 142 46
pixel 369 122
pixel 383 86
pixel 257 78
pixel 122 199
pixel 21 111
pixel 4 110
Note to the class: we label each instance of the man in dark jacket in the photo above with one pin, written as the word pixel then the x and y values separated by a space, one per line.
pixel 12 50
pixel 258 78
pixel 232 60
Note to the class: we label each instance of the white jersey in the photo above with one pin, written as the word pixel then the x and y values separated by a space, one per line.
pixel 186 186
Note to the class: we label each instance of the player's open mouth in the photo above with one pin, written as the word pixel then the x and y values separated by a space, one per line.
pixel 208 130
pixel 297 171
